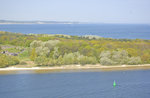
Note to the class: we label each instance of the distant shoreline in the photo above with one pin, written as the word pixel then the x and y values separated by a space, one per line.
pixel 37 23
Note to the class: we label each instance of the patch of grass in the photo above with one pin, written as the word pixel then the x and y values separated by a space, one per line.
pixel 13 50
pixel 22 63
pixel 24 55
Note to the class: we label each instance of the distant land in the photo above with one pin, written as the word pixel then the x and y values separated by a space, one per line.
pixel 37 22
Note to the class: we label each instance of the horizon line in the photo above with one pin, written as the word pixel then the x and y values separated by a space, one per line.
pixel 75 22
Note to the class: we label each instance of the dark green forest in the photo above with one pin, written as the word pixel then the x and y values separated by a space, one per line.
pixel 57 50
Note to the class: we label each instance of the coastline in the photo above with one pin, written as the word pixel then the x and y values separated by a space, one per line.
pixel 76 67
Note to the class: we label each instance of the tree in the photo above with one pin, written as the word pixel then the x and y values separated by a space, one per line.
pixel 106 61
pixel 118 58
pixel 56 53
pixel 42 61
pixel 134 60
pixel 33 54
pixel 86 60
pixel 146 58
pixel 6 60
pixel 42 51
pixel 50 44
pixel 69 58
pixel 35 44
pixel 132 52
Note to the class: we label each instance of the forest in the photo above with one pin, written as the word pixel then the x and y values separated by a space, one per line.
pixel 58 49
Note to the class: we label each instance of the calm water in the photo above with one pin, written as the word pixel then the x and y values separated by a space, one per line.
pixel 103 30
pixel 130 84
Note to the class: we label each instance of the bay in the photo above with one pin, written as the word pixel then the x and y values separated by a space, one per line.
pixel 88 84
pixel 119 31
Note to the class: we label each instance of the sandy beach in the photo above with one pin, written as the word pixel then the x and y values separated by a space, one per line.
pixel 75 67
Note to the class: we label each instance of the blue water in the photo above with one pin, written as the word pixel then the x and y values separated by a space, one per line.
pixel 129 31
pixel 130 84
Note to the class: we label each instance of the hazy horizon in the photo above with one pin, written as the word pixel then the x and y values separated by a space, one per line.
pixel 95 11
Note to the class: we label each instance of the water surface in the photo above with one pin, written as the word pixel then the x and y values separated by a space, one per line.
pixel 96 84
pixel 128 31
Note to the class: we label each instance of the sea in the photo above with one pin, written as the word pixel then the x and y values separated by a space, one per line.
pixel 117 31
pixel 81 84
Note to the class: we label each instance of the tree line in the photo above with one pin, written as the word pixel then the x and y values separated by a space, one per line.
pixel 52 50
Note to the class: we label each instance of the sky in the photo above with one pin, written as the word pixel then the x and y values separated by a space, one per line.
pixel 99 11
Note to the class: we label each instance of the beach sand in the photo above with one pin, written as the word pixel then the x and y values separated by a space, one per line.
pixel 74 67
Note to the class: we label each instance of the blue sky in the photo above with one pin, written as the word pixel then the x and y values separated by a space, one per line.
pixel 102 11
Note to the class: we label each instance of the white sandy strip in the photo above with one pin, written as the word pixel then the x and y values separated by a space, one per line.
pixel 74 67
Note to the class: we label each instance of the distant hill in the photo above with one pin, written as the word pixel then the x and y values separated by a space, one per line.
pixel 36 22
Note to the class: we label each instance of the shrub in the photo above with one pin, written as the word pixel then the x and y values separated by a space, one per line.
pixel 6 61
pixel 134 60
pixel 24 54
pixel 77 58
pixel 41 61
pixel 106 61
pixel 118 58
pixel 86 60
pixel 91 60
pixel 23 63
pixel 91 37
pixel 52 62
pixel 68 58
pixel 82 60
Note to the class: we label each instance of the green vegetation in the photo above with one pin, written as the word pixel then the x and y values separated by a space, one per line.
pixel 118 58
pixel 56 50
pixel 6 61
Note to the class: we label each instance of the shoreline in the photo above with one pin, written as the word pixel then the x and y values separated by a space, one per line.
pixel 78 67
